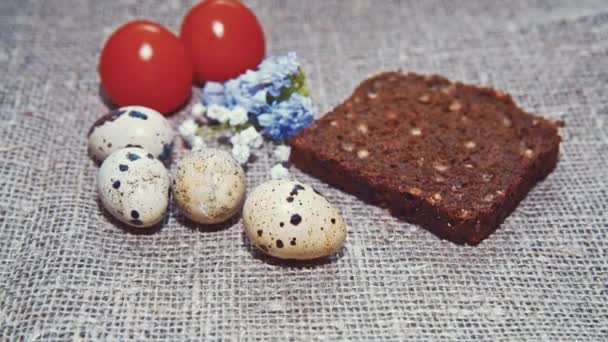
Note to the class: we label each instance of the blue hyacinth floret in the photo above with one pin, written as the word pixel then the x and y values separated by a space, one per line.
pixel 275 96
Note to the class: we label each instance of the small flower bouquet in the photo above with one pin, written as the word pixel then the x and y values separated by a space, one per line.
pixel 271 102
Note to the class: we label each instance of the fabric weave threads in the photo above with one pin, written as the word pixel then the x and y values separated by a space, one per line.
pixel 68 273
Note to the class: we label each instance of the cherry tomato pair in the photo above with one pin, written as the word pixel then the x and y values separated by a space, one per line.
pixel 143 63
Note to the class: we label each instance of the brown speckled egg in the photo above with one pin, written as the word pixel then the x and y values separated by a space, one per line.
pixel 209 186
pixel 291 220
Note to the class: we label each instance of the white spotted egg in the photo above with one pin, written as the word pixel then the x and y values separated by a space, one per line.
pixel 131 126
pixel 134 187
pixel 209 186
pixel 291 220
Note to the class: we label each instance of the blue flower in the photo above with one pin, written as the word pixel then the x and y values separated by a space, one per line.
pixel 278 67
pixel 248 95
pixel 276 72
pixel 286 118
pixel 213 94
pixel 274 96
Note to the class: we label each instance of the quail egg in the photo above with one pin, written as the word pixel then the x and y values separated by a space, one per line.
pixel 131 126
pixel 134 187
pixel 291 220
pixel 209 186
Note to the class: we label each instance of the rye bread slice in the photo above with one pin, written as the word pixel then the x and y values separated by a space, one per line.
pixel 453 158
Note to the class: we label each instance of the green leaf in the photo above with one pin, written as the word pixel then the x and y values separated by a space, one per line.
pixel 239 128
pixel 211 130
pixel 298 85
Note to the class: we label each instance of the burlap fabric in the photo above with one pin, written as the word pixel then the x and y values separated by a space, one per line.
pixel 68 273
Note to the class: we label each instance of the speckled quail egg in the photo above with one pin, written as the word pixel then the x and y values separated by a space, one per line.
pixel 134 187
pixel 209 186
pixel 291 220
pixel 131 126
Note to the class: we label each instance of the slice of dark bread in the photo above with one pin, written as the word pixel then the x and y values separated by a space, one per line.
pixel 454 158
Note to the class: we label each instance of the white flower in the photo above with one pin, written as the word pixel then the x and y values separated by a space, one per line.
pixel 253 137
pixel 188 128
pixel 260 96
pixel 198 109
pixel 282 153
pixel 237 139
pixel 197 143
pixel 279 172
pixel 219 113
pixel 241 153
pixel 250 76
pixel 238 116
pixel 249 137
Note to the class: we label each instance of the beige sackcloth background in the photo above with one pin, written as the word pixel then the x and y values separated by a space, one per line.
pixel 67 273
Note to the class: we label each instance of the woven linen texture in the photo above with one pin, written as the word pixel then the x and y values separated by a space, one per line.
pixel 68 273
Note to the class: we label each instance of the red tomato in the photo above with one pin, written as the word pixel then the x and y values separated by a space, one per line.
pixel 224 39
pixel 143 63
